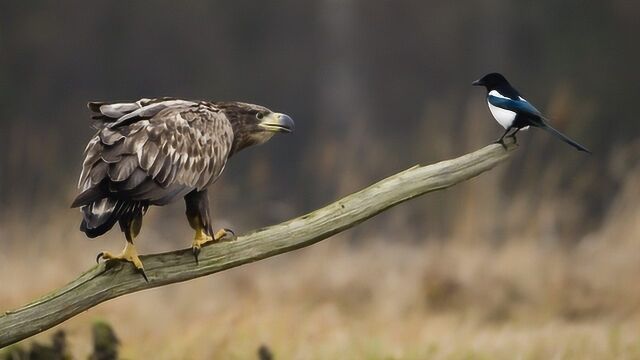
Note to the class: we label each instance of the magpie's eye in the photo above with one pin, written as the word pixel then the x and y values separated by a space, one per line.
pixel 259 115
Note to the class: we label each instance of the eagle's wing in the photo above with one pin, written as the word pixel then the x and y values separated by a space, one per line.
pixel 154 150
pixel 519 106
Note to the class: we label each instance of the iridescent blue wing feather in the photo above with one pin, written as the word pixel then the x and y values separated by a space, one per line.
pixel 519 106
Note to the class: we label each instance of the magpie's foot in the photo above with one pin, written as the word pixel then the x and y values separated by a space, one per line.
pixel 501 142
pixel 128 254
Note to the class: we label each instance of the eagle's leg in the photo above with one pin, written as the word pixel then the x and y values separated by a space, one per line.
pixel 197 203
pixel 131 228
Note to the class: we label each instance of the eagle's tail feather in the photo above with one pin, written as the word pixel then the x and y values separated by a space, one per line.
pixel 100 216
pixel 89 196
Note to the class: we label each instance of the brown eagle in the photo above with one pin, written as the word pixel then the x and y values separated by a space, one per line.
pixel 154 151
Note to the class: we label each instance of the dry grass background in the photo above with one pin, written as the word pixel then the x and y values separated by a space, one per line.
pixel 387 296
pixel 537 259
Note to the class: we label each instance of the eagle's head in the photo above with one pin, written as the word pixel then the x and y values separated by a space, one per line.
pixel 253 124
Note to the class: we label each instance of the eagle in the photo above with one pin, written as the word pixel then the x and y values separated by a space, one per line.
pixel 155 151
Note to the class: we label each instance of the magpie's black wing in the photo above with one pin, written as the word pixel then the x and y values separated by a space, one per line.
pixel 519 106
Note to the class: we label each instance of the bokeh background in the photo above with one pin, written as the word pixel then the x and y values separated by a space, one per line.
pixel 539 258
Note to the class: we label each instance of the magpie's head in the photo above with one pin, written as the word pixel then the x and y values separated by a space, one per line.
pixel 491 81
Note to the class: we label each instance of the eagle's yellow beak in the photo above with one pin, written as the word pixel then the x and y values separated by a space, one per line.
pixel 277 122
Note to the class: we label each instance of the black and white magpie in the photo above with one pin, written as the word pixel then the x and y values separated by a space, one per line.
pixel 515 113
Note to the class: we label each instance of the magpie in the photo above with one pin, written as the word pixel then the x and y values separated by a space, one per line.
pixel 515 113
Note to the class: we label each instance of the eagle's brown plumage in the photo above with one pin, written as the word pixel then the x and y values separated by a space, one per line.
pixel 154 151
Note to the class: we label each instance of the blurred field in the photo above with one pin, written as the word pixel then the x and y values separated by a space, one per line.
pixel 537 259
pixel 462 297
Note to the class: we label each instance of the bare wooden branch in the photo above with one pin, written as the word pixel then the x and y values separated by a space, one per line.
pixel 110 280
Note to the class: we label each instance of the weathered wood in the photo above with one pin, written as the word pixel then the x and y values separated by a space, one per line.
pixel 110 280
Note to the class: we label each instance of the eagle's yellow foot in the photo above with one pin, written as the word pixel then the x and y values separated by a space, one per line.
pixel 202 238
pixel 224 235
pixel 130 254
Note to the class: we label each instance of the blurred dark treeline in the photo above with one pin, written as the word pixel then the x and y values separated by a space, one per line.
pixel 374 87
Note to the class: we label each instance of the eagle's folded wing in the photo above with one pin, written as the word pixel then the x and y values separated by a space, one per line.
pixel 155 151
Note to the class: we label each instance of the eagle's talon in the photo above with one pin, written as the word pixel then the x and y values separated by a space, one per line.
pixel 229 235
pixel 224 235
pixel 144 275
pixel 129 254
pixel 195 250
pixel 106 256
pixel 197 244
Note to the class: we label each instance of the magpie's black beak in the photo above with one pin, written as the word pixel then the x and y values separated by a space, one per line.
pixel 477 83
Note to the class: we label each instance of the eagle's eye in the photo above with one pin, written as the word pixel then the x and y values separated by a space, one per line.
pixel 259 115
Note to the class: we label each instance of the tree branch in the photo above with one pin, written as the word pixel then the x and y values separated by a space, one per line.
pixel 112 279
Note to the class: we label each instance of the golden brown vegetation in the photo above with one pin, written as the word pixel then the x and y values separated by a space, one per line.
pixel 389 296
pixel 538 259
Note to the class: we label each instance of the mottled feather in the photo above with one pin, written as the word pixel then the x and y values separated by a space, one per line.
pixel 153 151
pixel 156 150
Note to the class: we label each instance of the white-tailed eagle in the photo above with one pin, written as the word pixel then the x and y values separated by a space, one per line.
pixel 154 151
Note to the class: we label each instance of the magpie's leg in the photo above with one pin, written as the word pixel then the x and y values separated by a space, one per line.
pixel 501 139
pixel 513 136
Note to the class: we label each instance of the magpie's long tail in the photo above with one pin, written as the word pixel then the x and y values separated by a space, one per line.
pixel 564 137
